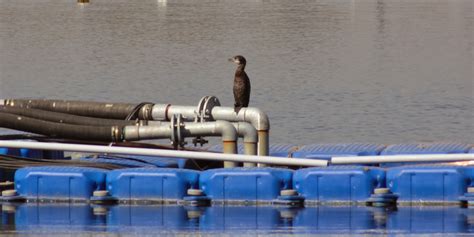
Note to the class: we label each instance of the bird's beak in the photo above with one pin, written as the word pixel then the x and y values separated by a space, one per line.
pixel 231 60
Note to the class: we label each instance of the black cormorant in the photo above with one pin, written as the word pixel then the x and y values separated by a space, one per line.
pixel 241 84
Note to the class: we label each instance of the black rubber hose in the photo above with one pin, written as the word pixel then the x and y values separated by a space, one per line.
pixel 64 118
pixel 60 130
pixel 82 108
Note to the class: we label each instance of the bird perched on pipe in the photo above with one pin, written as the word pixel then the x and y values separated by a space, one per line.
pixel 241 84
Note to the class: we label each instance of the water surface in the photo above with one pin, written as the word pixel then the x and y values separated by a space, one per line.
pixel 136 220
pixel 325 70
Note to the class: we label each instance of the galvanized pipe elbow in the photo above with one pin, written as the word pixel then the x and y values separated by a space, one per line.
pixel 257 117
pixel 252 115
pixel 247 131
pixel 228 131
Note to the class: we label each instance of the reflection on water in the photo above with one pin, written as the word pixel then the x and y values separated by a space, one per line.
pixel 324 70
pixel 34 218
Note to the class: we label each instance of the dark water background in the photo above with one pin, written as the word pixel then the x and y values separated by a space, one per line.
pixel 383 71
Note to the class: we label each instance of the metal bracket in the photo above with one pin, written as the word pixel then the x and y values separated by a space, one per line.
pixel 177 124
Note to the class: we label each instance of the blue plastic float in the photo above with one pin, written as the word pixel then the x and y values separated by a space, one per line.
pixel 338 184
pixel 245 185
pixel 59 183
pixel 429 183
pixel 151 184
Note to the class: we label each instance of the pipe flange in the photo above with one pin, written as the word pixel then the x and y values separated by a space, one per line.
pixel 211 102
pixel 177 125
pixel 174 137
pixel 180 126
pixel 204 108
pixel 200 108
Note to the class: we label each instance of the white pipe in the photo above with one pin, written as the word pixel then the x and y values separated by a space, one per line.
pixel 252 115
pixel 401 158
pixel 165 153
pixel 163 130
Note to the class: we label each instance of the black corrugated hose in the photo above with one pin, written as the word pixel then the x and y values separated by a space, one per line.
pixel 64 118
pixel 82 108
pixel 60 130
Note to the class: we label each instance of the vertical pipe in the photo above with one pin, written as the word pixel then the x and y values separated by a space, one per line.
pixel 249 133
pixel 263 144
pixel 230 147
pixel 250 148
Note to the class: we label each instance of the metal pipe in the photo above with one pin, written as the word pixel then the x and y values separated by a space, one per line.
pixel 263 144
pixel 223 128
pixel 166 153
pixel 249 133
pixel 254 116
pixel 401 158
pixel 243 129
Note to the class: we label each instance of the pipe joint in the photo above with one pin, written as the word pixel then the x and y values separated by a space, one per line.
pixel 256 117
pixel 228 131
pixel 159 112
pixel 247 131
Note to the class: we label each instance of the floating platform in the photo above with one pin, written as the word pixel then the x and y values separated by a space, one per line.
pixel 162 180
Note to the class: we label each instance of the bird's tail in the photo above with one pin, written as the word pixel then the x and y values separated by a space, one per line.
pixel 237 109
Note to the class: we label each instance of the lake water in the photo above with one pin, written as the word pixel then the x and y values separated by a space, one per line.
pixel 135 220
pixel 324 70
pixel 384 71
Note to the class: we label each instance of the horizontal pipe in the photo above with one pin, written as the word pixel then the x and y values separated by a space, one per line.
pixel 60 130
pixel 64 118
pixel 401 158
pixel 218 128
pixel 82 108
pixel 254 116
pixel 166 153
